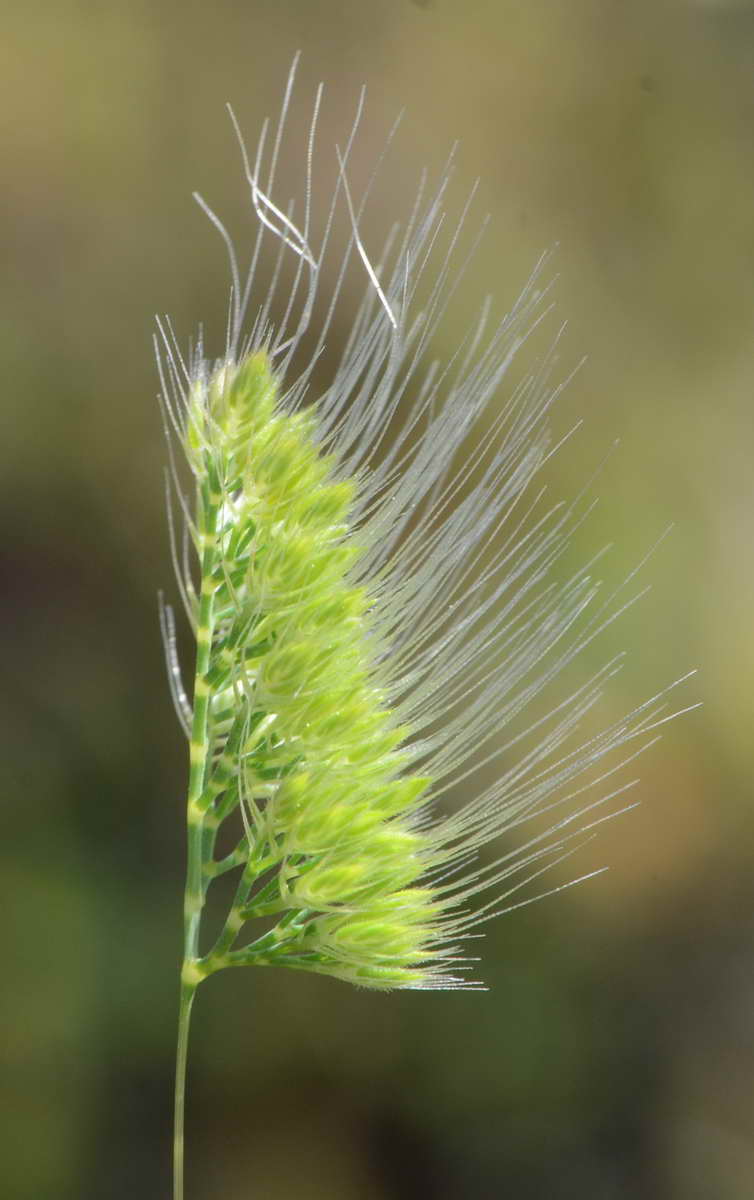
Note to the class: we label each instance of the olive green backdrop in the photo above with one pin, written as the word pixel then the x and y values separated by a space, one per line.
pixel 613 1056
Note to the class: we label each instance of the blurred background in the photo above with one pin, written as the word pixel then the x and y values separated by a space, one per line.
pixel 613 1056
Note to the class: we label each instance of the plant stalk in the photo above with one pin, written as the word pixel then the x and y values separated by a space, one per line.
pixel 184 1020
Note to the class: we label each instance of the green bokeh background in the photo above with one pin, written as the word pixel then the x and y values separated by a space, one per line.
pixel 613 1056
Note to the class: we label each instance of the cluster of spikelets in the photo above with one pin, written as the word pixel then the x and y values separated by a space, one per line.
pixel 378 620
pixel 297 709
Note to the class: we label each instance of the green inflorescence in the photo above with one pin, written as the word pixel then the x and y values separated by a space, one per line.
pixel 291 725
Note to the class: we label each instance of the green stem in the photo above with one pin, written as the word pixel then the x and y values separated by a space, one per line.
pixel 184 1020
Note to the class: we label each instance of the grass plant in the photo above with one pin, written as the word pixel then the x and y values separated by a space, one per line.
pixel 377 615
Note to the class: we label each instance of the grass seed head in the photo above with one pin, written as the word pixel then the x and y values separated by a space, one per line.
pixel 376 614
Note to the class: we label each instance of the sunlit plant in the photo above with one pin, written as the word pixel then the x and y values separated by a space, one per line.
pixel 378 608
